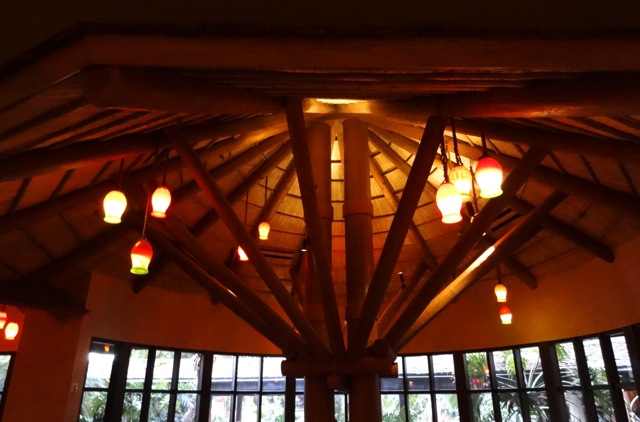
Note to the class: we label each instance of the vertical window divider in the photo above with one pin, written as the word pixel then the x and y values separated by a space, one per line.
pixel 115 397
pixel 551 375
pixel 204 387
pixel 234 388
pixel 260 367
pixel 405 387
pixel 462 387
pixel 173 386
pixel 585 380
pixel 522 393
pixel 633 347
pixel 148 381
pixel 289 399
pixel 495 393
pixel 613 378
pixel 432 390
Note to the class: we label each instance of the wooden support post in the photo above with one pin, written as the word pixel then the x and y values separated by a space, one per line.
pixel 313 223
pixel 440 277
pixel 217 199
pixel 358 215
pixel 505 246
pixel 397 232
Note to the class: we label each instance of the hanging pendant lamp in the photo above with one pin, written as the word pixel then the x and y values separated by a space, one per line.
pixel 114 205
pixel 264 227
pixel 500 290
pixel 160 201
pixel 449 203
pixel 141 255
pixel 460 176
pixel 11 331
pixel 489 177
pixel 505 315
pixel 3 319
pixel 242 256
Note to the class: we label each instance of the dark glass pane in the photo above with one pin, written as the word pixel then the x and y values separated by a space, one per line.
pixel 575 406
pixel 5 360
pixel 340 401
pixel 632 404
pixel 443 372
pixel 482 407
pixel 189 371
pixel 505 367
pixel 272 378
pixel 222 372
pixel 248 374
pixel 163 370
pixel 131 407
pixel 99 370
pixel 604 406
pixel 220 409
pixel 93 406
pixel 567 364
pixel 595 362
pixel 186 407
pixel 392 407
pixel 417 368
pixel 510 407
pixel 420 408
pixel 623 363
pixel 447 407
pixel 272 409
pixel 477 371
pixel 137 369
pixel 538 406
pixel 247 408
pixel 159 407
pixel 393 384
pixel 532 367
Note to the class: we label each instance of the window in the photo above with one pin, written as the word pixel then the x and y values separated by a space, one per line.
pixel 6 363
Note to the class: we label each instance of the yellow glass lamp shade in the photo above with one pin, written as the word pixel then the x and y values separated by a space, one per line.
pixel 160 201
pixel 11 331
pixel 449 202
pixel 242 256
pixel 501 292
pixel 460 176
pixel 505 315
pixel 263 230
pixel 114 205
pixel 3 319
pixel 489 177
pixel 141 255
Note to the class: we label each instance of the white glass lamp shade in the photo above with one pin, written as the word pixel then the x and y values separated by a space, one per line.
pixel 460 176
pixel 449 202
pixel 501 292
pixel 263 230
pixel 11 331
pixel 114 205
pixel 160 201
pixel 489 177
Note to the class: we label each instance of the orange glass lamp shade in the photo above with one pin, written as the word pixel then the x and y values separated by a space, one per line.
pixel 505 315
pixel 263 230
pixel 489 177
pixel 141 255
pixel 449 202
pixel 460 176
pixel 501 292
pixel 3 319
pixel 242 256
pixel 114 205
pixel 11 331
pixel 160 201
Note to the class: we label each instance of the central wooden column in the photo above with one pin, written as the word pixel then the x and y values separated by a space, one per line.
pixel 364 390
pixel 319 405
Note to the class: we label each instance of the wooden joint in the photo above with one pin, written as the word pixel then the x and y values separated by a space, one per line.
pixel 356 206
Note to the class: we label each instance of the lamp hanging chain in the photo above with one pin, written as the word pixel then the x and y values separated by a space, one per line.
pixel 444 159
pixel 164 173
pixel 499 274
pixel 455 142
pixel 246 208
pixel 146 213
pixel 484 145
pixel 120 174
pixel 266 187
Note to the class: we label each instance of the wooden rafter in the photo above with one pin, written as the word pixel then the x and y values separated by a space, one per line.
pixel 218 200
pixel 505 246
pixel 439 278
pixel 416 182
pixel 312 218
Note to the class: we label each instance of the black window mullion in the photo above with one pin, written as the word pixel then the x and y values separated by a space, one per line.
pixel 118 382
pixel 632 338
pixel 432 390
pixel 173 386
pixel 234 387
pixel 204 385
pixel 613 379
pixel 585 381
pixel 551 374
pixel 148 380
pixel 405 388
pixel 522 392
pixel 462 383
pixel 290 399
pixel 260 366
pixel 495 393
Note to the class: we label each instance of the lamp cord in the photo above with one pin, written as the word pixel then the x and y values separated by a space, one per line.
pixel 146 213
pixel 455 142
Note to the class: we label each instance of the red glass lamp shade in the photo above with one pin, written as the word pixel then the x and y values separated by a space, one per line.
pixel 242 256
pixel 460 176
pixel 489 177
pixel 11 331
pixel 449 202
pixel 505 315
pixel 114 205
pixel 160 201
pixel 3 319
pixel 141 255
pixel 501 292
pixel 263 230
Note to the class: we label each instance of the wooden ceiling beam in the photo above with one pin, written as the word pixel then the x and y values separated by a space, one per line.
pixel 439 278
pixel 431 140
pixel 218 200
pixel 312 218
pixel 575 236
pixel 161 90
pixel 188 243
pixel 523 231
pixel 516 267
pixel 390 196
pixel 44 297
pixel 401 298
